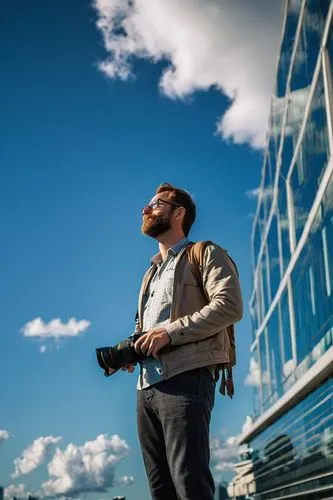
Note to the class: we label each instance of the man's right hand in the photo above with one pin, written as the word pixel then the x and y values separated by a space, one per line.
pixel 130 367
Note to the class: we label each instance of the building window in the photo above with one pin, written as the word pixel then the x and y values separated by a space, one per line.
pixel 286 344
pixel 274 348
pixel 264 369
pixel 311 161
pixel 286 48
pixel 312 283
pixel 274 257
pixel 283 222
pixel 308 46
pixel 296 446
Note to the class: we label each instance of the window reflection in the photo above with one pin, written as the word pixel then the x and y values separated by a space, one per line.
pixel 312 280
pixel 254 315
pixel 283 223
pixel 311 161
pixel 330 48
pixel 269 172
pixel 287 46
pixel 286 346
pixel 255 370
pixel 274 347
pixel 264 371
pixel 304 65
pixel 265 278
pixel 309 43
pixel 300 439
pixel 274 259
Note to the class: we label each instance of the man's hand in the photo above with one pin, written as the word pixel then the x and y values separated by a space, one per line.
pixel 151 342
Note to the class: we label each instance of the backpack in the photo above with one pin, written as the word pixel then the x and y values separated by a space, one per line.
pixel 195 254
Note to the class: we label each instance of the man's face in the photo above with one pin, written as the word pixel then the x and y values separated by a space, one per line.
pixel 157 216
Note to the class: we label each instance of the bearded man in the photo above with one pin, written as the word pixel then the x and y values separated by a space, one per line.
pixel 184 340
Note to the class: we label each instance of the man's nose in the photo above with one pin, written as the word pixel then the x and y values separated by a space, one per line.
pixel 146 210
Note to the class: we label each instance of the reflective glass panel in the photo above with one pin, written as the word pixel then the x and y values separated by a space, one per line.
pixel 254 314
pixel 255 375
pixel 305 60
pixel 273 255
pixel 309 43
pixel 264 372
pixel 286 347
pixel 265 281
pixel 311 160
pixel 260 293
pixel 295 447
pixel 287 46
pixel 330 49
pixel 262 218
pixel 268 184
pixel 275 359
pixel 283 222
pixel 312 280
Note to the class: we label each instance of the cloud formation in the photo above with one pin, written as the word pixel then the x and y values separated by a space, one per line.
pixel 229 46
pixel 226 453
pixel 87 468
pixel 55 329
pixel 4 435
pixel 16 490
pixel 34 456
pixel 253 377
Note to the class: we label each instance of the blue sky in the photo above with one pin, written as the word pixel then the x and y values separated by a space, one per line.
pixel 84 146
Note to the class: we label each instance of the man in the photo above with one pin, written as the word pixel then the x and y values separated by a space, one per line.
pixel 184 340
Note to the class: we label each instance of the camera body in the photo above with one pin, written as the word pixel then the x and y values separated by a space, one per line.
pixel 110 359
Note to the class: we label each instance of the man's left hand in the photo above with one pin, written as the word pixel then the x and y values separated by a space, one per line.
pixel 151 342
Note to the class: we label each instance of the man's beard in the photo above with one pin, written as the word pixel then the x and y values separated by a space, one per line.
pixel 154 226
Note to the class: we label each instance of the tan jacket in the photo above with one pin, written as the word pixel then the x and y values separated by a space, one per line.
pixel 198 329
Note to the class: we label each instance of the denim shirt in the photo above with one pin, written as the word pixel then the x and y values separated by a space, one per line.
pixel 157 308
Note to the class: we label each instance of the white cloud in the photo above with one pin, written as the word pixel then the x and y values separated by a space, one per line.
pixel 35 455
pixel 55 329
pixel 87 468
pixel 253 377
pixel 4 435
pixel 229 46
pixel 225 453
pixel 16 490
pixel 261 193
pixel 125 480
pixel 42 348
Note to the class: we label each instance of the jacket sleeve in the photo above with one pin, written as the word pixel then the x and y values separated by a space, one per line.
pixel 225 305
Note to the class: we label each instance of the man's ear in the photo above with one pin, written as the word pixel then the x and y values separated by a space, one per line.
pixel 180 212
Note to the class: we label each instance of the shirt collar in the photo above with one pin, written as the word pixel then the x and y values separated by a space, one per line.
pixel 157 258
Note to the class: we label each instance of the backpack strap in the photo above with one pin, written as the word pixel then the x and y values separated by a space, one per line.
pixel 195 254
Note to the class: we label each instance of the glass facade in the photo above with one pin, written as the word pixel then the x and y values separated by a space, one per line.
pixel 292 243
pixel 295 448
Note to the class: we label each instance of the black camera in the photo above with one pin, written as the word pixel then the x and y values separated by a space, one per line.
pixel 110 359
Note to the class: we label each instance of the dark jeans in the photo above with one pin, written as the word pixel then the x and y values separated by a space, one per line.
pixel 173 425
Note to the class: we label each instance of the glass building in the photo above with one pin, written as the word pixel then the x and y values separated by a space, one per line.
pixel 291 439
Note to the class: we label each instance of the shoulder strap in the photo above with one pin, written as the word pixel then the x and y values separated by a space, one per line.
pixel 195 254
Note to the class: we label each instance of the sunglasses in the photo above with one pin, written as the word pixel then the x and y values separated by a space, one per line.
pixel 157 203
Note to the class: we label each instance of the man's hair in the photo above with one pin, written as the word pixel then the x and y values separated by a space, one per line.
pixel 183 199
